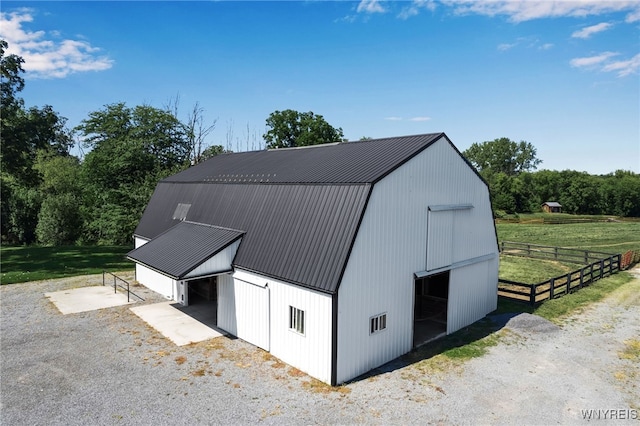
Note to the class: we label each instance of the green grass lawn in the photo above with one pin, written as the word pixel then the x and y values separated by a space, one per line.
pixel 608 237
pixel 22 264
pixel 532 271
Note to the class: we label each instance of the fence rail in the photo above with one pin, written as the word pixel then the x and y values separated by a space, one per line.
pixel 116 284
pixel 533 294
pixel 563 254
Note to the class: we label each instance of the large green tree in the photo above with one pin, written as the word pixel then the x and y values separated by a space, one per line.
pixel 131 149
pixel 502 155
pixel 290 128
pixel 59 218
pixel 24 133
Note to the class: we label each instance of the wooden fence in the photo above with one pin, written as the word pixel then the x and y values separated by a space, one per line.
pixel 562 254
pixel 596 268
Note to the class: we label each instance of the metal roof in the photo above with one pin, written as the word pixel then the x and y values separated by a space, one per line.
pixel 347 162
pixel 552 204
pixel 183 247
pixel 297 233
pixel 300 208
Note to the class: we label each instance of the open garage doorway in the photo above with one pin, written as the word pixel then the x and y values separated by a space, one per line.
pixel 202 300
pixel 430 307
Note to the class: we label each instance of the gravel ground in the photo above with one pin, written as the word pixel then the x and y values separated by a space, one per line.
pixel 108 367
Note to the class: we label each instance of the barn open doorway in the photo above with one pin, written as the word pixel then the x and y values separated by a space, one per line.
pixel 430 308
pixel 202 300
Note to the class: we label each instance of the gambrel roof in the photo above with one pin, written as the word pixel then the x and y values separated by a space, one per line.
pixel 299 209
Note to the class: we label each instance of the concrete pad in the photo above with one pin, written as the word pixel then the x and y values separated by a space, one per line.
pixel 174 324
pixel 85 299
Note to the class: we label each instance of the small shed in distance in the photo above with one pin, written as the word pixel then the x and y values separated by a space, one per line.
pixel 552 207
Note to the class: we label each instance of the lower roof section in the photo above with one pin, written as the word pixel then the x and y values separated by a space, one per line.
pixel 189 249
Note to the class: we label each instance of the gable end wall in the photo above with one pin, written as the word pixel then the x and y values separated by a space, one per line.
pixel 391 246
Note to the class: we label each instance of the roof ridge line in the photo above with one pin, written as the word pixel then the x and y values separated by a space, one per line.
pixel 213 226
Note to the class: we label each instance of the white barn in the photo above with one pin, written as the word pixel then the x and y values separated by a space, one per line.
pixel 335 258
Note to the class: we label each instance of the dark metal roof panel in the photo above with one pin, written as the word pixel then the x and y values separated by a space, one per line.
pixel 298 233
pixel 347 162
pixel 183 247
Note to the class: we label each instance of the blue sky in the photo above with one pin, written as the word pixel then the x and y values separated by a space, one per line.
pixel 561 75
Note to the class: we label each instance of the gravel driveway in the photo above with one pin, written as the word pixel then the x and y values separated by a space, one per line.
pixel 108 367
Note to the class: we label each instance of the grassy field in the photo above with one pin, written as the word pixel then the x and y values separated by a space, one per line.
pixel 22 264
pixel 609 237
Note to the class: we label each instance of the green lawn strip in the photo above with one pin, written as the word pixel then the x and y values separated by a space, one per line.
pixel 32 263
pixel 557 309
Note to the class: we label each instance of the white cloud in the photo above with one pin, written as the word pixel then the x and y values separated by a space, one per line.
pixel 420 119
pixel 393 118
pixel 506 46
pixel 48 58
pixel 526 10
pixel 591 61
pixel 415 7
pixel 546 46
pixel 593 29
pixel 370 6
pixel 624 68
pixel 604 62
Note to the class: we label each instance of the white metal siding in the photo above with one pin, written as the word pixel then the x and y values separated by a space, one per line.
pixel 472 293
pixel 259 314
pixel 138 241
pixel 156 281
pixel 392 245
pixel 439 239
pixel 221 262
pixel 227 304
pixel 310 352
pixel 244 310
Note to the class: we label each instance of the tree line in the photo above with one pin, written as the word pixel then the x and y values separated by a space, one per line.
pixel 51 197
pixel 509 169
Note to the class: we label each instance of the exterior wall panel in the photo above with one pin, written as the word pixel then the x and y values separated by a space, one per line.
pixel 472 294
pixel 221 262
pixel 139 242
pixel 156 281
pixel 256 309
pixel 391 246
pixel 227 304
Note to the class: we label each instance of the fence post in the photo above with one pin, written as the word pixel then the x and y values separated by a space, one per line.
pixel 568 283
pixel 601 268
pixel 127 291
pixel 114 285
pixel 552 284
pixel 581 277
pixel 532 295
pixel 556 253
pixel 102 278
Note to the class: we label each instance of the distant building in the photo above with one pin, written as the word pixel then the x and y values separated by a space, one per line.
pixel 335 258
pixel 552 207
